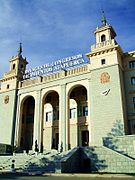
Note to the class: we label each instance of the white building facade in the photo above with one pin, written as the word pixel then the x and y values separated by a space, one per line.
pixel 73 107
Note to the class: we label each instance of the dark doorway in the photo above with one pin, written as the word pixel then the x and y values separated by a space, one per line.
pixel 86 167
pixel 85 138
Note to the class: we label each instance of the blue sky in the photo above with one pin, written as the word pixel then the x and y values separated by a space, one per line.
pixel 54 29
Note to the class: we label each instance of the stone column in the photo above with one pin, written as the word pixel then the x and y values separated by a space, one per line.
pixel 63 120
pixel 40 122
pixel 37 120
pixel 17 125
pixel 89 95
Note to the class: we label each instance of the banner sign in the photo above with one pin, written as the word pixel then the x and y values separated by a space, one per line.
pixel 63 64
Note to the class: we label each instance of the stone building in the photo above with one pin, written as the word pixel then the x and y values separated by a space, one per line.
pixel 78 106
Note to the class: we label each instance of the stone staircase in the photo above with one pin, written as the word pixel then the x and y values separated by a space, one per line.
pixel 80 159
pixel 50 161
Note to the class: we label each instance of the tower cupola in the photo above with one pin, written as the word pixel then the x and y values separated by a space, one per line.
pixel 103 19
pixel 105 33
pixel 17 65
pixel 104 46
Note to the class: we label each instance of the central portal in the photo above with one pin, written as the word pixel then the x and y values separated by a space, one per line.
pixel 78 116
pixel 50 133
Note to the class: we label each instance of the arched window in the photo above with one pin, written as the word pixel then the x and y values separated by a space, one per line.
pixel 13 66
pixel 7 86
pixel 103 38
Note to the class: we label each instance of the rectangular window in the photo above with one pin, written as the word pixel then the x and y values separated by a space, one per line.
pixel 7 86
pixel 134 102
pixel 132 64
pixel 102 61
pixel 133 80
pixel 48 116
pixel 73 113
pixel 85 111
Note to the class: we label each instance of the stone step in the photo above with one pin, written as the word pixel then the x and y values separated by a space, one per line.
pixel 48 161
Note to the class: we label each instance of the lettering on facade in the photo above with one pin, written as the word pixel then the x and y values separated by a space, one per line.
pixel 63 64
pixel 104 78
pixel 6 99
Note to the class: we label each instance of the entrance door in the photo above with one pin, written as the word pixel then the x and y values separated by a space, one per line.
pixel 85 138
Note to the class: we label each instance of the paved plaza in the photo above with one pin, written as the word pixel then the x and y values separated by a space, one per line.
pixel 68 177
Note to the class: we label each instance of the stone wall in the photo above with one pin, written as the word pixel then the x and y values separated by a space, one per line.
pixel 106 102
pixel 105 160
pixel 7 116
pixel 123 144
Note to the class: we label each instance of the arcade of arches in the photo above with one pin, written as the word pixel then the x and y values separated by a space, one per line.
pixel 76 124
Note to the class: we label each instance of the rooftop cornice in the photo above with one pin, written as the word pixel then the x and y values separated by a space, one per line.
pixel 105 50
pixel 103 28
pixel 7 79
pixel 14 58
pixel 130 53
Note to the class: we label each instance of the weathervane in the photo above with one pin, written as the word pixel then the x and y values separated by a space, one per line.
pixel 103 19
pixel 20 50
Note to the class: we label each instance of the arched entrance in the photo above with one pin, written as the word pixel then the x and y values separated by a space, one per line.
pixel 27 123
pixel 50 133
pixel 78 121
